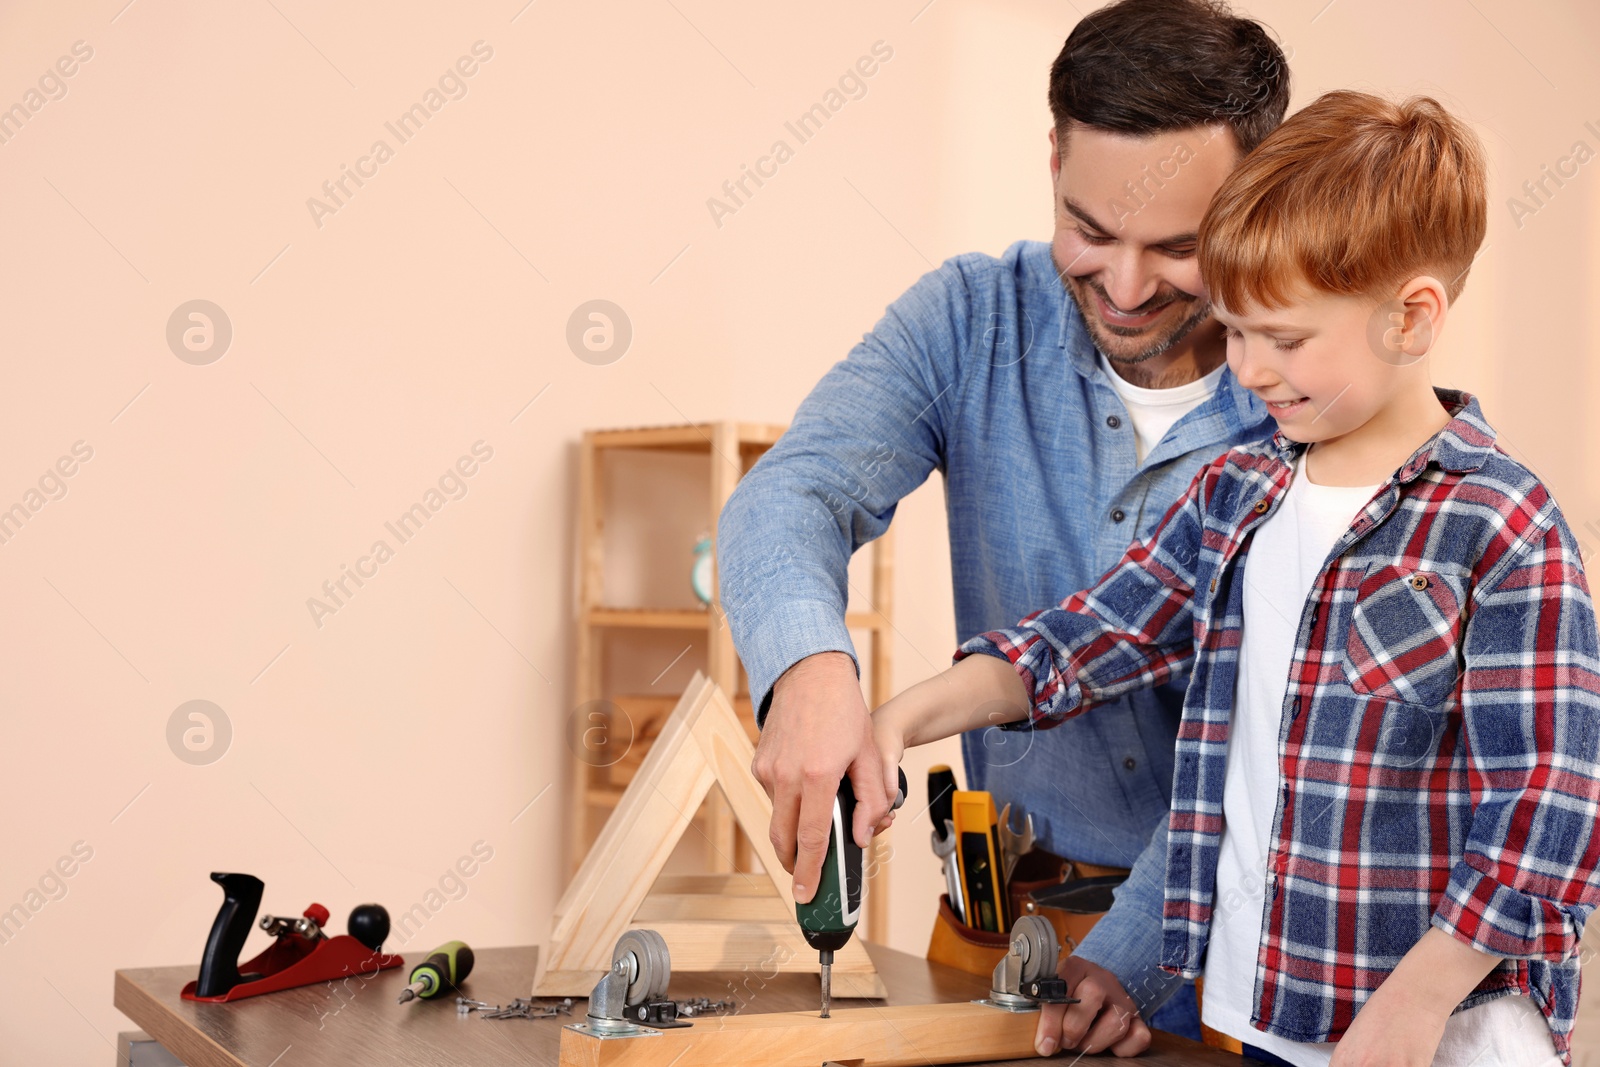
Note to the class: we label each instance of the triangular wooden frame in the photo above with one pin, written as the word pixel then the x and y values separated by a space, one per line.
pixel 725 922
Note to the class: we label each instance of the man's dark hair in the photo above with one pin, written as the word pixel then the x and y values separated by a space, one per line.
pixel 1151 66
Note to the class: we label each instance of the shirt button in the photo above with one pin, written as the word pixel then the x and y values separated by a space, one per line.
pixel 1117 514
pixel 1213 585
pixel 1113 421
pixel 1130 763
pixel 1419 581
pixel 1261 507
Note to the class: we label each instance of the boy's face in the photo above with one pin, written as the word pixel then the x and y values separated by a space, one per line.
pixel 1314 364
pixel 1127 209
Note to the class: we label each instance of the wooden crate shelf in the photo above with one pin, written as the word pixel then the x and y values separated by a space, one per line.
pixel 730 448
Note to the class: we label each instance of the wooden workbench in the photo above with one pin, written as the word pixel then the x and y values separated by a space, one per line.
pixel 359 1023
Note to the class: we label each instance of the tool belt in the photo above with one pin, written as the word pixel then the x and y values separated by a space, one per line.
pixel 1071 894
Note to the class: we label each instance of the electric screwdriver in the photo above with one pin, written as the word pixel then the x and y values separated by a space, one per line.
pixel 830 918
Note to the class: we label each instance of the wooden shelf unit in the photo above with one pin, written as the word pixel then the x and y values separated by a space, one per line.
pixel 730 448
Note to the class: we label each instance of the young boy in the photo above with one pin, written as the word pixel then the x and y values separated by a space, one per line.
pixel 1383 814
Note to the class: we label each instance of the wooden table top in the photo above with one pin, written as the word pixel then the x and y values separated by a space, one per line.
pixel 357 1022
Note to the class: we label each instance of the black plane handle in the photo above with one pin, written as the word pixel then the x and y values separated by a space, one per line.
pixel 219 966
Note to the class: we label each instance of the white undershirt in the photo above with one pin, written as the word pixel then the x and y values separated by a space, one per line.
pixel 1154 411
pixel 1286 554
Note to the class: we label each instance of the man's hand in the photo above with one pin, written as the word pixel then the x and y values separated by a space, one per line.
pixel 817 731
pixel 1104 1020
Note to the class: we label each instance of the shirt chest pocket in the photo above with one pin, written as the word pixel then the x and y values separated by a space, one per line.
pixel 1404 638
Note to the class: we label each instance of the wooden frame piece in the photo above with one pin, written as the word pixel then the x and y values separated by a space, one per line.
pixel 725 922
pixel 881 1037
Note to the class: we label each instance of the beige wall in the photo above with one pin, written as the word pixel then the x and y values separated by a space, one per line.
pixel 372 350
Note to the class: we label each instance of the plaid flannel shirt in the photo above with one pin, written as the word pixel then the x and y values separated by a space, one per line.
pixel 1439 752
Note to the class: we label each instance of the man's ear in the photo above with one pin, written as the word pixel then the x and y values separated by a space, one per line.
pixel 1055 157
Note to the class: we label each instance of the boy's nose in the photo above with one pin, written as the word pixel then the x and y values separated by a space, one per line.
pixel 1251 370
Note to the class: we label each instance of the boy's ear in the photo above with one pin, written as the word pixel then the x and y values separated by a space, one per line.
pixel 1422 303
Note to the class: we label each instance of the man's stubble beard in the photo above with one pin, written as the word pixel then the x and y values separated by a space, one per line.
pixel 1107 343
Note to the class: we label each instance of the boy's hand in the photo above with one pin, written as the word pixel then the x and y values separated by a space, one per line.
pixel 1401 1023
pixel 1391 1030
pixel 890 740
pixel 1105 1019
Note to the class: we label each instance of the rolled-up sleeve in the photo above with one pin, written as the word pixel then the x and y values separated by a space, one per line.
pixel 1530 705
pixel 1131 630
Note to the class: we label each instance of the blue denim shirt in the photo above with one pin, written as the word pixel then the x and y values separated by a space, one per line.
pixel 984 371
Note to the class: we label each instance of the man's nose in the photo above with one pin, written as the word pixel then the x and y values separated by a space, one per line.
pixel 1128 283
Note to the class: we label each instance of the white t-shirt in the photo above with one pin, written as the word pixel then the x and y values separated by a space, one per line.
pixel 1154 411
pixel 1286 554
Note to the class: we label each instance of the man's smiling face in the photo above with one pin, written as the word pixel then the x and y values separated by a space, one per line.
pixel 1127 208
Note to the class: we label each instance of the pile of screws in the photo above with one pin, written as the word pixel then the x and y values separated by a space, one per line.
pixel 521 1008
pixel 705 1006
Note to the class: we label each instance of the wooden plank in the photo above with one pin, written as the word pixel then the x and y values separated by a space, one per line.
pixel 722 885
pixel 882 653
pixel 722 663
pixel 665 907
pixel 648 618
pixel 606 796
pixel 692 437
pixel 883 608
pixel 867 620
pixel 760 435
pixel 871 1037
pixel 591 592
pixel 846 985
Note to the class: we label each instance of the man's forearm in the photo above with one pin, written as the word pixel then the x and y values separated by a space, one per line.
pixel 979 691
pixel 1127 939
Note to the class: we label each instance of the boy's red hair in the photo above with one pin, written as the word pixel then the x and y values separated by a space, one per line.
pixel 1354 195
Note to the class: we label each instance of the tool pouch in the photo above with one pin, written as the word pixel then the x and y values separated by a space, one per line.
pixel 1041 885
pixel 955 944
pixel 966 948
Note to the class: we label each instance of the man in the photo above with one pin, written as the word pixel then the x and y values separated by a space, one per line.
pixel 1067 392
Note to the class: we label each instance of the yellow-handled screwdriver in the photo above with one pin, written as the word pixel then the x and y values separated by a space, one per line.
pixel 445 967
